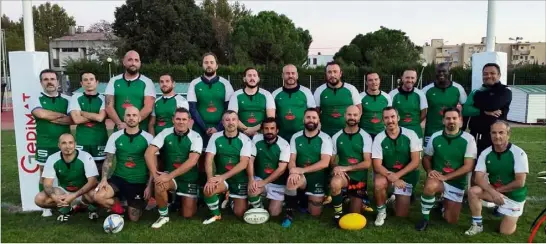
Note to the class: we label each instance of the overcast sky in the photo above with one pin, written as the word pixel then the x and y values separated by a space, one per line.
pixel 334 23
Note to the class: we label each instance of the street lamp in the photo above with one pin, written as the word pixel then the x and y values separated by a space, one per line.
pixel 109 60
pixel 424 64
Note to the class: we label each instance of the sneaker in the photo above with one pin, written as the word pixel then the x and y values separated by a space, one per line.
pixel 212 219
pixel 93 215
pixel 63 218
pixel 160 222
pixel 46 212
pixel 336 218
pixel 366 208
pixel 391 199
pixel 380 220
pixel 225 202
pixel 327 200
pixel 474 229
pixel 422 225
pixel 287 222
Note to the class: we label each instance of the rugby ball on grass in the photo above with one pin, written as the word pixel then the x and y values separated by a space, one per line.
pixel 352 221
pixel 113 223
pixel 256 216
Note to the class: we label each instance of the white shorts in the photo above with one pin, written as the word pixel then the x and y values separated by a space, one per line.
pixel 453 193
pixel 511 208
pixel 273 191
pixel 407 191
pixel 76 201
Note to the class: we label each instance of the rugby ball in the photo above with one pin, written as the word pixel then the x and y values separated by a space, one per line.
pixel 256 216
pixel 113 223
pixel 352 221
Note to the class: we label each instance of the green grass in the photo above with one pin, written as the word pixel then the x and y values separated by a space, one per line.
pixel 31 227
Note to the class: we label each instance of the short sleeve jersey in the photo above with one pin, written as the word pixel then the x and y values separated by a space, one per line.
pixel 228 152
pixel 350 149
pixel 372 110
pixel 290 108
pixel 163 111
pixel 176 148
pixel 129 150
pixel 210 98
pixel 409 106
pixel 309 150
pixel 333 102
pixel 92 133
pixel 251 108
pixel 48 133
pixel 502 167
pixel 72 175
pixel 269 156
pixel 438 99
pixel 448 153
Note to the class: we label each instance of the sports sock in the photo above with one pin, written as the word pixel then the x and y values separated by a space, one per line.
pixel 337 202
pixel 256 201
pixel 213 204
pixel 477 220
pixel 91 208
pixel 382 209
pixel 291 197
pixel 164 211
pixel 427 202
pixel 64 210
pixel 41 187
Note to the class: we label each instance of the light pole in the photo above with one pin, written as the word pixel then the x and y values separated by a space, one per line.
pixel 109 60
pixel 424 64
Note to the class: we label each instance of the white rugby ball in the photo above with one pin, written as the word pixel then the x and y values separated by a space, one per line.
pixel 113 223
pixel 256 216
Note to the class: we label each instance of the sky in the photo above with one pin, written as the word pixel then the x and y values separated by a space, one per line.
pixel 333 24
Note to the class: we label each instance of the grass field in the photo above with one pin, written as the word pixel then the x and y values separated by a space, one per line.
pixel 31 227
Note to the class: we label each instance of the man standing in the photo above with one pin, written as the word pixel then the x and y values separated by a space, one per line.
pixel 87 111
pixel 353 146
pixel 165 106
pixel 449 157
pixel 267 166
pixel 253 104
pixel 130 89
pixel 396 155
pixel 291 101
pixel 373 102
pixel 410 103
pixel 441 94
pixel 49 109
pixel 506 167
pixel 180 148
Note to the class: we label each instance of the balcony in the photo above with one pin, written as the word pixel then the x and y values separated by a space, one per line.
pixel 521 52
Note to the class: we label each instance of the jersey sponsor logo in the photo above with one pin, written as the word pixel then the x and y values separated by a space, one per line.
pixel 498 183
pixel 268 170
pixel 398 165
pixel 447 167
pixel 89 124
pixel 375 120
pixel 211 108
pixel 177 163
pixel 407 119
pixel 352 160
pixel 307 163
pixel 161 121
pixel 126 103
pixel 335 114
pixel 130 163
pixel 251 119
pixel 229 165
pixel 71 187
pixel 289 115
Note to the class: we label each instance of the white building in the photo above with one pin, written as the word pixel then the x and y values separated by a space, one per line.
pixel 318 60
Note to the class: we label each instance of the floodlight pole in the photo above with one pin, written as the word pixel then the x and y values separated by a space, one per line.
pixel 491 25
pixel 28 25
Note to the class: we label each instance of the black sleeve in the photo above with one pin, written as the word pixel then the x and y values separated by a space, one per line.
pixel 507 101
pixel 196 116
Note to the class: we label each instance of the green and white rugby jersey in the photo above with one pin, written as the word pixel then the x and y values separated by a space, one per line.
pixel 267 157
pixel 332 103
pixel 129 151
pixel 448 153
pixel 309 150
pixel 501 169
pixel 48 133
pixel 350 149
pixel 438 99
pixel 228 152
pixel 72 175
pixel 290 108
pixel 175 149
pixel 92 133
pixel 251 108
pixel 164 108
pixel 409 106
pixel 372 111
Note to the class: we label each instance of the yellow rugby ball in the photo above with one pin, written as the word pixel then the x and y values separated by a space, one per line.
pixel 352 221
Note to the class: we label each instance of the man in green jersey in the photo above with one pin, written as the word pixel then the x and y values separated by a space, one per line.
pixel 76 175
pixel 396 155
pixel 49 109
pixel 267 165
pixel 130 89
pixel 500 177
pixel 311 150
pixel 129 178
pixel 410 102
pixel 291 101
pixel 442 93
pixel 87 111
pixel 449 157
pixel 229 152
pixel 165 106
pixel 252 103
pixel 180 147
pixel 353 148
pixel 373 102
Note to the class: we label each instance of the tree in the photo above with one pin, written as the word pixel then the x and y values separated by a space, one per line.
pixel 50 22
pixel 105 51
pixel 15 40
pixel 269 39
pixel 102 26
pixel 164 30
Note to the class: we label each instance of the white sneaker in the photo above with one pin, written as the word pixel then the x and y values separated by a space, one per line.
pixel 160 222
pixel 46 212
pixel 212 219
pixel 380 220
pixel 474 229
pixel 391 200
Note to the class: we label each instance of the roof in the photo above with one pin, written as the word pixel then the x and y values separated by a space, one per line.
pixel 179 88
pixel 86 36
pixel 531 89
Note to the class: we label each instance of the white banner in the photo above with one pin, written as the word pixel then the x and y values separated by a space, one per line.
pixel 25 68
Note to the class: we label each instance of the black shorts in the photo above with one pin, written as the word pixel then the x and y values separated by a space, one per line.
pixel 133 193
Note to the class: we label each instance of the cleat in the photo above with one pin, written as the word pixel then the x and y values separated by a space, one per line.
pixel 422 225
pixel 160 222
pixel 212 219
pixel 367 208
pixel 380 220
pixel 327 200
pixel 46 212
pixel 287 222
pixel 336 218
pixel 63 218
pixel 474 229
pixel 93 215
pixel 391 199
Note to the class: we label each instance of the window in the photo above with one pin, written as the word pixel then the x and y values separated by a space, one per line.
pixel 520 57
pixel 532 47
pixel 69 50
pixel 521 48
pixel 515 57
pixel 532 57
pixel 314 61
pixel 526 57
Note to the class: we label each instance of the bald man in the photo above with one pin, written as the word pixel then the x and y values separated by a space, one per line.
pixel 130 89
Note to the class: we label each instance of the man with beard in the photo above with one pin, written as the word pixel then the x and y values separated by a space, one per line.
pixel 373 102
pixel 130 89
pixel 267 166
pixel 229 151
pixel 180 148
pixel 395 154
pixel 129 179
pixel 49 109
pixel 252 103
pixel 353 147
pixel 441 94
pixel 410 103
pixel 311 150
pixel 291 101
pixel 449 157
pixel 165 106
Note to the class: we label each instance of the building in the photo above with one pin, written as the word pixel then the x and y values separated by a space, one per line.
pixel 78 44
pixel 460 54
pixel 318 60
pixel 528 104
